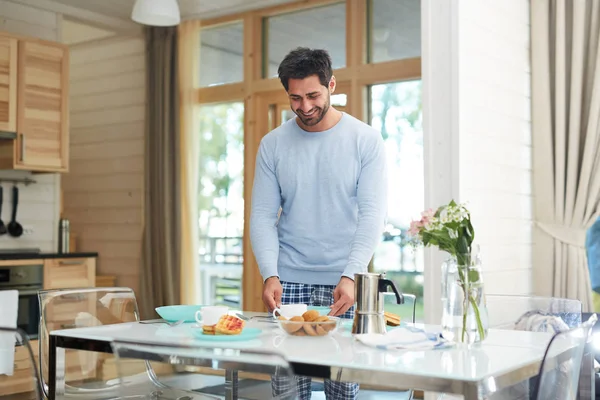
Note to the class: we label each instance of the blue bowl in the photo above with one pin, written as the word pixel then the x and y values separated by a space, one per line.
pixel 187 313
pixel 323 310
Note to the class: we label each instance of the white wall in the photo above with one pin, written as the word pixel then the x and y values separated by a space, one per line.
pixel 477 132
pixel 495 137
pixel 103 192
pixel 38 210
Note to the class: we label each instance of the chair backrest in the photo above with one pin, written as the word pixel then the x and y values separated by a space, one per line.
pixel 22 357
pixel 532 313
pixel 561 366
pixel 406 311
pixel 76 308
pixel 191 372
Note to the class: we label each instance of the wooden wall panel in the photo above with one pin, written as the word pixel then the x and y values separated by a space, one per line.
pixel 103 193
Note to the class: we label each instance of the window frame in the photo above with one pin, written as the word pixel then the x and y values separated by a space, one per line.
pixel 354 80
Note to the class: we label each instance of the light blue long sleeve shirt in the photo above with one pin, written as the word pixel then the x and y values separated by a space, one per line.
pixel 331 187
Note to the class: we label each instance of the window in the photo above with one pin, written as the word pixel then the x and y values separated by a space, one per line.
pixel 320 27
pixel 221 202
pixel 395 110
pixel 394 30
pixel 222 55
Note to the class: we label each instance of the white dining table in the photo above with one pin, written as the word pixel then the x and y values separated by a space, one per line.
pixel 504 358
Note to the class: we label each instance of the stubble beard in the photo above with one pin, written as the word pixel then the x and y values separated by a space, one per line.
pixel 318 115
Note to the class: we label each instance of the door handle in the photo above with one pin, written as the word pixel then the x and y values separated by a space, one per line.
pixel 22 147
pixel 74 262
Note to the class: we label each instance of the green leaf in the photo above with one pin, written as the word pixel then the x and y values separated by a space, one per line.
pixel 473 276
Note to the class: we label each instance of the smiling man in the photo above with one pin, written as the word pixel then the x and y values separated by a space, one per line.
pixel 326 170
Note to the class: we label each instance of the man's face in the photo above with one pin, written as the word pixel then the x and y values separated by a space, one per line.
pixel 309 99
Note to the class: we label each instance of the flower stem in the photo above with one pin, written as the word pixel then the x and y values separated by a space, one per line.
pixel 468 299
pixel 477 318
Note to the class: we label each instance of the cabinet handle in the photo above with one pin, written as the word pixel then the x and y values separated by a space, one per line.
pixel 22 146
pixel 74 262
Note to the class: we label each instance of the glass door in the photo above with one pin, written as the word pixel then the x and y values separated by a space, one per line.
pixel 221 202
pixel 395 111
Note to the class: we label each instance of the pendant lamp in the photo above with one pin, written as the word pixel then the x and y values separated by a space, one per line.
pixel 156 12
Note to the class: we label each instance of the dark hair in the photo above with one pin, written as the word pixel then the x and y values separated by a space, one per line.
pixel 303 62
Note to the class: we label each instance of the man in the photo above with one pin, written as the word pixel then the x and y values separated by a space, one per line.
pixel 326 170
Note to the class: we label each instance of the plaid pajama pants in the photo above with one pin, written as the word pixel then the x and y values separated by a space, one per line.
pixel 313 295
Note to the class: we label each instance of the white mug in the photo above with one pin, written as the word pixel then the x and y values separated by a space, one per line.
pixel 209 315
pixel 290 310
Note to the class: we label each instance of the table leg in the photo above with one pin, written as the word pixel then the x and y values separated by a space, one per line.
pixel 231 384
pixel 471 391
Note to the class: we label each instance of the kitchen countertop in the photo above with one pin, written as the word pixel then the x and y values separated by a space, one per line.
pixel 35 256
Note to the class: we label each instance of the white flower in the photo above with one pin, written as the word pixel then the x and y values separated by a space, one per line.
pixel 452 233
pixel 444 213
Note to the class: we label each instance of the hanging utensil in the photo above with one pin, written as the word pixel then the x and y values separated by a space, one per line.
pixel 3 229
pixel 14 228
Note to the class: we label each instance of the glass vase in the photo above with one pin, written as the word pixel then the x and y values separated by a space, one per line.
pixel 464 312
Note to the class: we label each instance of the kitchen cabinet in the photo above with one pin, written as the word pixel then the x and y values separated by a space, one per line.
pixel 21 381
pixel 34 109
pixel 8 84
pixel 63 273
pixel 69 271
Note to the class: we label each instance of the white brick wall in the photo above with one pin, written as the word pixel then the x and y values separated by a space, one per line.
pixel 477 133
pixel 495 136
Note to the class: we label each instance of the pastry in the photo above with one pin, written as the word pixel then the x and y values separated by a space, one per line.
pixel 229 325
pixel 391 319
pixel 310 315
pixel 294 325
pixel 208 329
pixel 310 329
pixel 320 329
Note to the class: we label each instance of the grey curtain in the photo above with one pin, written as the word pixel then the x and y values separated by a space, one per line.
pixel 565 40
pixel 160 269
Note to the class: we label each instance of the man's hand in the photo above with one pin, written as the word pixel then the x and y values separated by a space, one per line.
pixel 272 291
pixel 343 296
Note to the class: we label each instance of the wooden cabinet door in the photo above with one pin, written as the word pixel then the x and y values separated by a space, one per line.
pixel 43 74
pixel 21 381
pixel 8 84
pixel 63 273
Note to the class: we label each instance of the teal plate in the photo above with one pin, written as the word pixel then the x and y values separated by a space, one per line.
pixel 247 334
pixel 187 313
pixel 323 310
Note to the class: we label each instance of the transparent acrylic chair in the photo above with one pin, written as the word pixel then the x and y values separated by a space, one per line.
pixel 532 313
pixel 87 374
pixel 24 359
pixel 528 312
pixel 189 372
pixel 559 373
pixel 407 313
pixel 539 313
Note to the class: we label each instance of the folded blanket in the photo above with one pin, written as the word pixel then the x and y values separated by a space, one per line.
pixel 403 338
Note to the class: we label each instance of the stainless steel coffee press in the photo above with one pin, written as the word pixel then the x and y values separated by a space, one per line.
pixel 369 289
